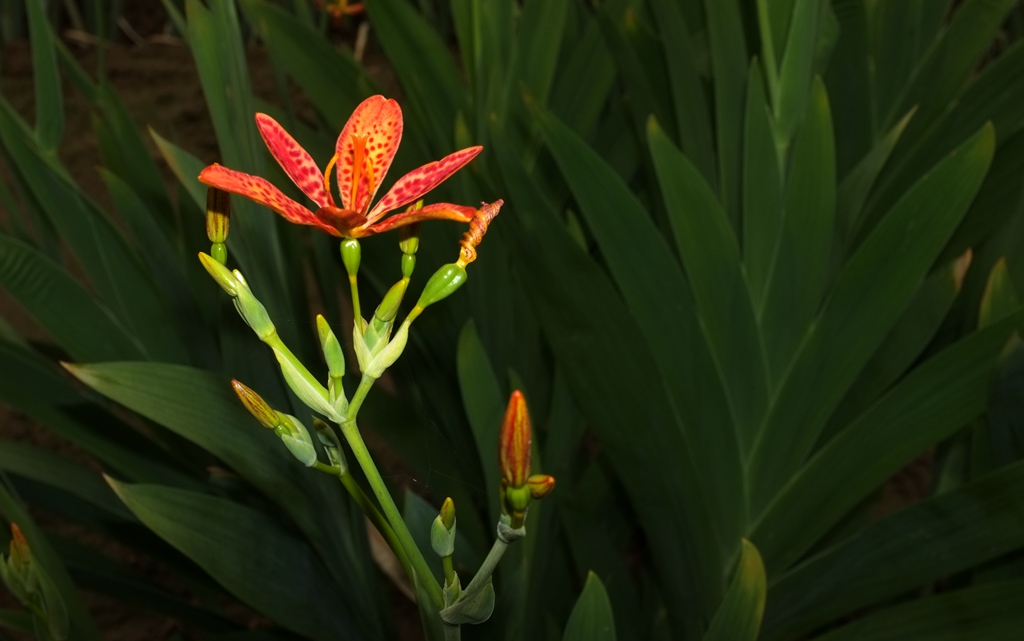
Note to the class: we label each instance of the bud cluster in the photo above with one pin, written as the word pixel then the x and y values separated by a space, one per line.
pixel 518 486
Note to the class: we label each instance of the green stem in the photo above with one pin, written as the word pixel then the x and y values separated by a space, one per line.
pixel 378 520
pixel 356 310
pixel 449 570
pixel 355 440
pixel 486 570
pixel 452 632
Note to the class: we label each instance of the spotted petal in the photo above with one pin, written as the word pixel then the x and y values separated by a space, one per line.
pixel 261 191
pixel 365 149
pixel 437 211
pixel 294 160
pixel 416 183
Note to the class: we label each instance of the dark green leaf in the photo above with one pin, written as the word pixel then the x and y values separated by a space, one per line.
pixel 739 616
pixel 46 79
pixel 796 71
pixel 865 303
pixel 248 554
pixel 592 618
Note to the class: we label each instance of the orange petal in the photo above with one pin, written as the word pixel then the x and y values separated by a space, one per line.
pixel 515 442
pixel 437 211
pixel 294 160
pixel 373 133
pixel 261 191
pixel 342 220
pixel 414 184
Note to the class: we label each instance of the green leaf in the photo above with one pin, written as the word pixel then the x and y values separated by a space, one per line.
pixel 423 66
pixel 729 68
pixel 712 260
pixel 904 344
pixel 865 303
pixel 928 405
pixel 986 613
pixel 16 620
pixel 49 294
pixel 796 71
pixel 201 407
pixel 485 404
pixel 185 167
pixel 247 553
pixel 592 618
pixel 331 77
pixel 1000 298
pixel 540 31
pixel 920 544
pixel 48 468
pixel 49 99
pixel 794 290
pixel 739 616
pixel 848 79
pixel 762 188
pixel 692 119
pixel 655 292
pixel 654 464
pixel 1003 410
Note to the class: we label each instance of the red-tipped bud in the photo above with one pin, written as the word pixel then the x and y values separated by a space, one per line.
pixel 258 407
pixel 516 437
pixel 540 485
pixel 20 554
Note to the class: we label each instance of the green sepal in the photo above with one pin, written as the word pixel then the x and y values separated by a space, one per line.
pixel 442 539
pixel 296 438
pixel 476 609
pixel 332 445
pixel 252 310
pixel 351 254
pixel 220 273
pixel 301 382
pixel 442 284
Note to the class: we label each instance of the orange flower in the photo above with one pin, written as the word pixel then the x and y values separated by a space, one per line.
pixel 515 442
pixel 363 155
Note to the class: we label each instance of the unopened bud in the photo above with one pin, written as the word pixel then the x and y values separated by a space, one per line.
pixel 540 485
pixel 445 282
pixel 20 556
pixel 515 442
pixel 220 273
pixel 333 353
pixel 251 309
pixel 258 407
pixel 218 215
pixel 296 438
pixel 388 308
pixel 442 531
pixel 351 254
pixel 332 445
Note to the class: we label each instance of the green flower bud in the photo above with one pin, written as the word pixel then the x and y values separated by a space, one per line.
pixel 442 531
pixel 252 311
pixel 219 251
pixel 331 443
pixel 540 485
pixel 296 438
pixel 302 383
pixel 442 284
pixel 388 308
pixel 333 353
pixel 351 254
pixel 220 273
pixel 408 265
pixel 386 357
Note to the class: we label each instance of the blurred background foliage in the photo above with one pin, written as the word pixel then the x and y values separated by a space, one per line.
pixel 756 258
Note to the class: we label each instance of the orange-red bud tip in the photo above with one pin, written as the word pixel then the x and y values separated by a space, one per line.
pixel 19 546
pixel 477 229
pixel 448 513
pixel 515 442
pixel 540 485
pixel 256 405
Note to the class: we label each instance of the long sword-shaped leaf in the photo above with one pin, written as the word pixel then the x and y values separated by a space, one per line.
pixel 49 97
pixel 712 259
pixel 592 618
pixel 739 616
pixel 929 405
pixel 249 554
pixel 866 301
